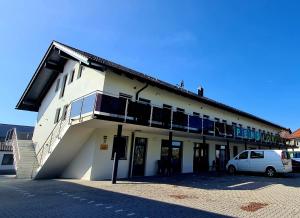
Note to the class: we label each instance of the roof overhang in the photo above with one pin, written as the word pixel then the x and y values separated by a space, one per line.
pixel 49 68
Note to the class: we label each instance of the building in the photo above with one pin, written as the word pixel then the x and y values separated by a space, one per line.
pixel 89 108
pixel 294 139
pixel 6 150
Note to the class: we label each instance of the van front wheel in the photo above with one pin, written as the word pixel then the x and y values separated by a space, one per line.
pixel 231 170
pixel 270 172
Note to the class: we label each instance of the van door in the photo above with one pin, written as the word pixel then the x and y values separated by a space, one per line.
pixel 243 161
pixel 257 161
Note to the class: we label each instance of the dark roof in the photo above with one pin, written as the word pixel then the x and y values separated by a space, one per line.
pixel 5 127
pixel 95 61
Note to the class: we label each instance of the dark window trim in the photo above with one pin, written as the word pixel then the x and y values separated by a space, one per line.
pixel 72 74
pixel 64 113
pixel 80 68
pixel 178 109
pixel 124 95
pixel 166 106
pixel 62 93
pixel 196 114
pixel 144 100
pixel 57 84
pixel 57 115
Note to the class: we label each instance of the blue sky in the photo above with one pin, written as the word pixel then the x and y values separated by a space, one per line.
pixel 244 53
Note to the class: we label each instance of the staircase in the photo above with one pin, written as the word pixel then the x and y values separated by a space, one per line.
pixel 24 156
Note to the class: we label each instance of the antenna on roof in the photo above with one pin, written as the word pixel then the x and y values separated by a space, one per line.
pixel 200 91
pixel 181 84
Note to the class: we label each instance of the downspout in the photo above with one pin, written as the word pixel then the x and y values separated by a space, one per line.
pixel 139 91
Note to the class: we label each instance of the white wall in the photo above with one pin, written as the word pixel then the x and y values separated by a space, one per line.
pixel 91 163
pixel 90 80
pixel 115 84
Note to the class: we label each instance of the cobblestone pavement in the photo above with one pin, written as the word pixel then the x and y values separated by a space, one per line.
pixel 178 196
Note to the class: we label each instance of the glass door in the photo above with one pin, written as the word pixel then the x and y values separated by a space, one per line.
pixel 200 163
pixel 139 158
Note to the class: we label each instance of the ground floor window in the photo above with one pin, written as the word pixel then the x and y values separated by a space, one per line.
pixel 8 159
pixel 120 146
pixel 176 156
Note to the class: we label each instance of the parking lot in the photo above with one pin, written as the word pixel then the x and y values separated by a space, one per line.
pixel 207 195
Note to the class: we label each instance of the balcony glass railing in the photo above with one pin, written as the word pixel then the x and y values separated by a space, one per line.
pixel 110 107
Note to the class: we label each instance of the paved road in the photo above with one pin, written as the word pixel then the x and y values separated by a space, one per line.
pixel 181 196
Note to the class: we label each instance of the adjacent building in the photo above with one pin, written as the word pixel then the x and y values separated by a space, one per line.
pixel 6 150
pixel 89 108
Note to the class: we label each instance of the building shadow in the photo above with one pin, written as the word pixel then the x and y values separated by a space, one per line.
pixel 61 198
pixel 221 181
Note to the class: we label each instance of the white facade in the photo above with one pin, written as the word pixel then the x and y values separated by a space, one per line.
pixel 87 160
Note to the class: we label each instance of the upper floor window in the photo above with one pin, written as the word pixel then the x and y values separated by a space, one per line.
pixel 57 85
pixel 205 116
pixel 144 100
pixel 123 95
pixel 72 76
pixel 63 86
pixel 180 110
pixel 57 115
pixel 80 68
pixel 65 111
pixel 196 114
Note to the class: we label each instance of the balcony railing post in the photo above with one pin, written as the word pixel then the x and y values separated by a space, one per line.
pixel 126 110
pixel 80 116
pixel 151 115
pixel 188 123
pixel 171 122
pixel 202 129
pixel 95 104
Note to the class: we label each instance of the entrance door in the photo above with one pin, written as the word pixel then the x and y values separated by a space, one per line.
pixel 222 157
pixel 200 163
pixel 139 158
pixel 176 158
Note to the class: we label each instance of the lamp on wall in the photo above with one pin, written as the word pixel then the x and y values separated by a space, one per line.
pixel 104 145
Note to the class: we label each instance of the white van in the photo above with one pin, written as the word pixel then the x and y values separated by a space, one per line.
pixel 264 161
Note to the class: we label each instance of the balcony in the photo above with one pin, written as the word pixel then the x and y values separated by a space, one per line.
pixel 108 107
